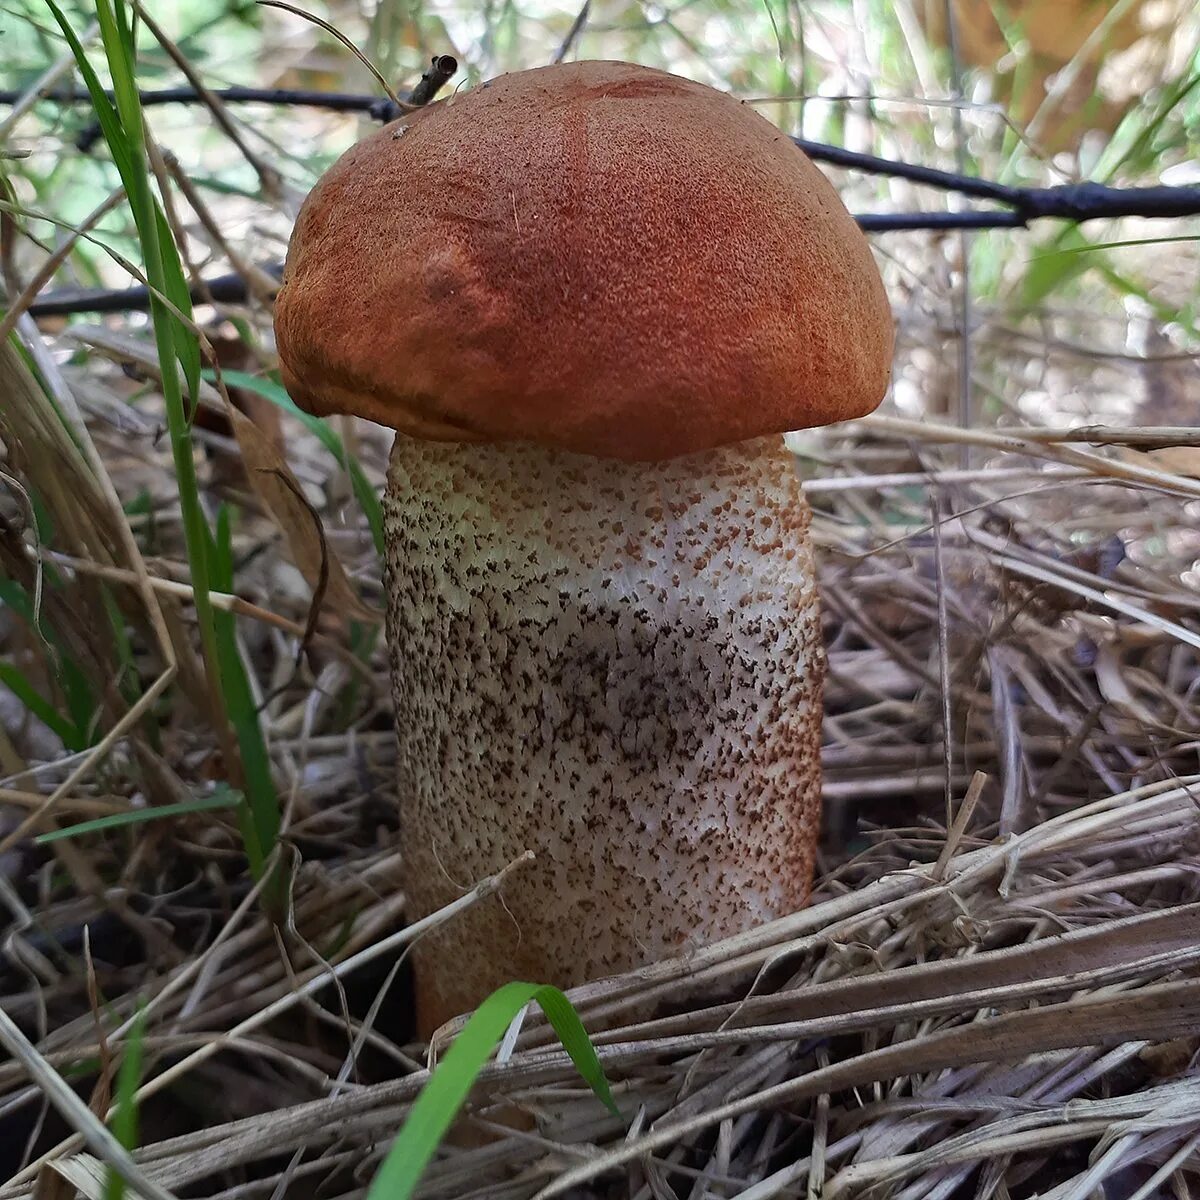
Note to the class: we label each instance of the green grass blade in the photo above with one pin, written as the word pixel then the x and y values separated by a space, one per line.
pixel 1164 312
pixel 1146 241
pixel 563 1018
pixel 123 130
pixel 125 1119
pixel 260 815
pixel 74 725
pixel 364 492
pixel 116 33
pixel 449 1085
pixel 118 45
pixel 175 342
pixel 139 816
pixel 125 655
pixel 80 699
pixel 187 348
pixel 67 730
pixel 13 595
pixel 1137 149
pixel 106 115
pixel 1053 268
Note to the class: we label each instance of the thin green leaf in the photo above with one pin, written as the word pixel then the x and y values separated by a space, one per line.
pixel 139 816
pixel 260 815
pixel 117 36
pixel 74 725
pixel 110 122
pixel 120 52
pixel 66 729
pixel 125 1119
pixel 78 694
pixel 1150 241
pixel 1051 269
pixel 123 647
pixel 175 343
pixel 187 348
pixel 561 1014
pixel 1130 287
pixel 449 1085
pixel 1134 149
pixel 13 595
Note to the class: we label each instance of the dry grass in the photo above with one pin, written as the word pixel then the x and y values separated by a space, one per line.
pixel 996 991
pixel 997 1004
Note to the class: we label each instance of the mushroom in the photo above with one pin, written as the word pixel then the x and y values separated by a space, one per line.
pixel 591 298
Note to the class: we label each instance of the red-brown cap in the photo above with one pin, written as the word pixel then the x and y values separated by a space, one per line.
pixel 594 256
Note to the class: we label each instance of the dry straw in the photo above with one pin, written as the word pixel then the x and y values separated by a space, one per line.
pixel 996 990
pixel 1016 999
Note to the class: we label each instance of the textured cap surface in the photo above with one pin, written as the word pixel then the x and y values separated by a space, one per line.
pixel 595 256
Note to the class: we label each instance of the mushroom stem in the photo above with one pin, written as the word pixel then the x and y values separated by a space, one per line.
pixel 617 665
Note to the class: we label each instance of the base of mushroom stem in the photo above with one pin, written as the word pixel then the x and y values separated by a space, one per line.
pixel 618 666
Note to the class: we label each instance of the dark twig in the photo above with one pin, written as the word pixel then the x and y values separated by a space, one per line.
pixel 944 181
pixel 574 33
pixel 1069 202
pixel 278 97
pixel 441 70
pixel 1013 207
pixel 223 289
pixel 983 218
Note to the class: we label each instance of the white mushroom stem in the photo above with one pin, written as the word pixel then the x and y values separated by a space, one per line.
pixel 617 665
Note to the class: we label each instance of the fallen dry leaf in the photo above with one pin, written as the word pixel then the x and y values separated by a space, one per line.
pixel 276 486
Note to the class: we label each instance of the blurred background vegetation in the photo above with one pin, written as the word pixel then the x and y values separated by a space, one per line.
pixel 1076 89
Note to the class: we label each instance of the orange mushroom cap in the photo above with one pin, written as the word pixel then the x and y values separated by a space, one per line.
pixel 593 256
